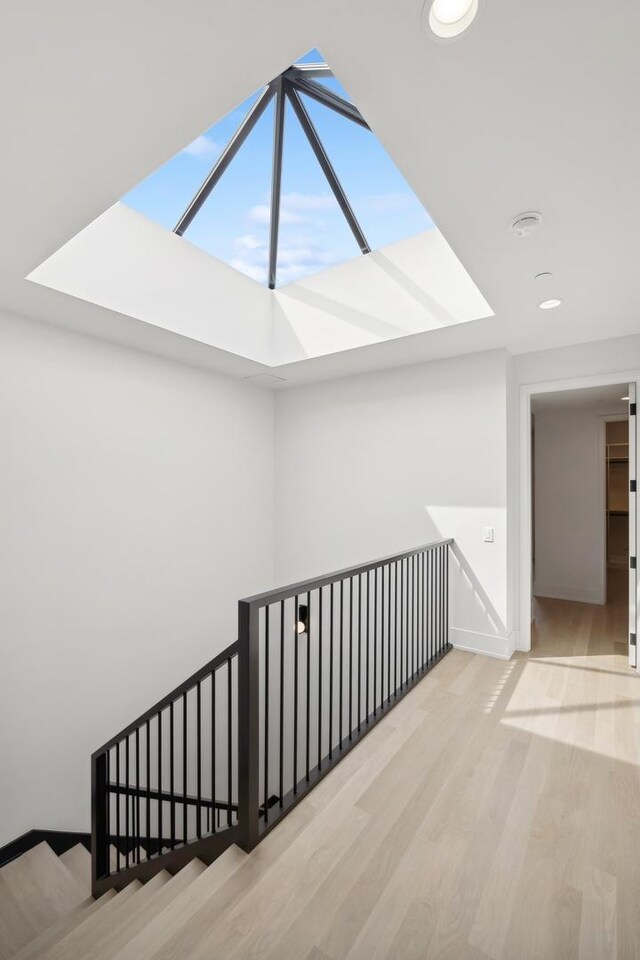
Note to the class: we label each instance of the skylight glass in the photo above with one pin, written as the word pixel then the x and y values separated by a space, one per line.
pixel 291 182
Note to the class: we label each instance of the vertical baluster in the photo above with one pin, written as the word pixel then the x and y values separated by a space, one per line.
pixel 423 608
pixel 172 781
pixel 118 807
pixel 308 684
pixel 229 745
pixel 389 605
pixel 422 650
pixel 350 658
pixel 416 608
pixel 409 620
pixel 320 678
pixel 214 729
pixel 281 745
pixel 441 551
pixel 383 656
pixel 375 642
pixel 295 697
pixel 267 611
pixel 198 761
pixel 446 594
pixel 126 803
pixel 138 794
pixel 106 853
pixel 396 618
pixel 185 809
pixel 432 603
pixel 437 599
pixel 331 615
pixel 341 702
pixel 359 671
pixel 160 804
pixel 436 607
pixel 368 643
pixel 416 614
pixel 402 622
pixel 148 779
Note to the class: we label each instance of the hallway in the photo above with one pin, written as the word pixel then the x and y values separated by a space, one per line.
pixel 495 813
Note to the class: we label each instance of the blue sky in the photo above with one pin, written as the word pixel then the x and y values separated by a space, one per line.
pixel 234 223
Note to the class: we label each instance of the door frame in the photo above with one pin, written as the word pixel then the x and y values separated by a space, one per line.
pixel 604 419
pixel 527 392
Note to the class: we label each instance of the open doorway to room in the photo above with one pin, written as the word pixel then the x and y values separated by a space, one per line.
pixel 581 503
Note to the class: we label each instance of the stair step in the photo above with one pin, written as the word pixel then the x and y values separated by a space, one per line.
pixel 177 914
pixel 77 860
pixel 138 920
pixel 36 890
pixel 35 948
pixel 92 928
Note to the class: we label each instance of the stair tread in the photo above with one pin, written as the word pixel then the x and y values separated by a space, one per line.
pixel 36 947
pixel 182 907
pixel 77 860
pixel 93 927
pixel 36 889
pixel 139 920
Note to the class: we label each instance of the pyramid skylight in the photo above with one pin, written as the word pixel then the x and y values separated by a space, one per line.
pixel 292 182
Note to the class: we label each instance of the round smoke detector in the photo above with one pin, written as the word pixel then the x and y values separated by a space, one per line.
pixel 526 224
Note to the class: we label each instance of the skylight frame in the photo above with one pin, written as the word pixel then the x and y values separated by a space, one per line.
pixel 297 79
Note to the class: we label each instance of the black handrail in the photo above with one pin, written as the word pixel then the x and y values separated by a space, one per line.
pixel 232 749
pixel 314 583
pixel 183 687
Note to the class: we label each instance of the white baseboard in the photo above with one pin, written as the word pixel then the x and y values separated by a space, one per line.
pixel 490 646
pixel 561 592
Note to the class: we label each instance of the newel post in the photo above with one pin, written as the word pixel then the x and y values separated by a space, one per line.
pixel 99 820
pixel 248 724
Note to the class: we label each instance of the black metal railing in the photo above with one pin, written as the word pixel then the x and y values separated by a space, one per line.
pixel 165 789
pixel 231 750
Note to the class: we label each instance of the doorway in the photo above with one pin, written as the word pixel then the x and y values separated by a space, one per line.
pixel 582 519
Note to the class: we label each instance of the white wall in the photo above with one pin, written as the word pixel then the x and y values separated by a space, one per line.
pixel 136 509
pixel 383 462
pixel 569 505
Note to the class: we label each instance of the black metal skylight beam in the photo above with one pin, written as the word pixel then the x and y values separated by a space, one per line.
pixel 327 98
pixel 225 158
pixel 289 85
pixel 322 158
pixel 276 181
pixel 311 70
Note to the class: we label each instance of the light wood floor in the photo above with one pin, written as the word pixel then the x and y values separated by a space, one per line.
pixel 494 813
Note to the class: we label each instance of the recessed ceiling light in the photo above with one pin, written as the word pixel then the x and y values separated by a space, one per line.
pixel 448 18
pixel 550 304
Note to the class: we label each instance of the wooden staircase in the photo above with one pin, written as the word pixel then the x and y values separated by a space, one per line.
pixel 47 911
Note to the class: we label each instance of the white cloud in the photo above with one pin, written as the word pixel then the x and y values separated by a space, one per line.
pixel 298 256
pixel 253 270
pixel 202 148
pixel 249 242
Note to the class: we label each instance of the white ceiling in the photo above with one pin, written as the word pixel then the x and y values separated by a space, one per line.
pixel 533 108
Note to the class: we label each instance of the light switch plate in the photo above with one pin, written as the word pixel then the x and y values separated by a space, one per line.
pixel 489 535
